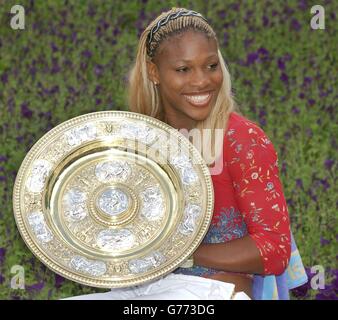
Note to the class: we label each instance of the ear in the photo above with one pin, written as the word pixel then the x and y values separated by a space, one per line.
pixel 153 73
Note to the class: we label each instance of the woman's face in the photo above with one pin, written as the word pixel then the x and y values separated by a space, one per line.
pixel 187 68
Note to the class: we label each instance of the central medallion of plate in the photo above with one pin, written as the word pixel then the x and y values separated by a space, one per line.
pixel 113 201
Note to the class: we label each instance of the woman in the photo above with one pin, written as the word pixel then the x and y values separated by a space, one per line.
pixel 180 78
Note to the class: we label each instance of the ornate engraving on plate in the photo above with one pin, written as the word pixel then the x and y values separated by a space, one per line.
pixel 113 201
pixel 75 204
pixel 112 170
pixel 144 264
pixel 40 171
pixel 191 213
pixel 185 167
pixel 115 239
pixel 152 206
pixel 93 268
pixel 39 227
pixel 80 134
pixel 139 131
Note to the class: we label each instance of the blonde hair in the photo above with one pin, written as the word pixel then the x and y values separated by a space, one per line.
pixel 143 94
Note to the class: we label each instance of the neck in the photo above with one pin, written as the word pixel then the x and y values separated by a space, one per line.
pixel 179 122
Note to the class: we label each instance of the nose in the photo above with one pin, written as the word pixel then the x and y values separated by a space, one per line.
pixel 200 79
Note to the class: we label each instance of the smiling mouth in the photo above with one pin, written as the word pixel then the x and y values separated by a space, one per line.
pixel 198 100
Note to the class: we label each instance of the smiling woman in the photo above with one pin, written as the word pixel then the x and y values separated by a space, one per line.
pixel 180 78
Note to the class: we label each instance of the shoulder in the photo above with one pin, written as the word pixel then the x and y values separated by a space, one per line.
pixel 246 136
pixel 241 126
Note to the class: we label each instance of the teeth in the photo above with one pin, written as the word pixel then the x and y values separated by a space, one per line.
pixel 198 99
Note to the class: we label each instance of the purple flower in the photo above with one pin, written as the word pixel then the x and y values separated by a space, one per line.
pixel 25 111
pixel 58 281
pixel 324 241
pixel 263 54
pixel 329 292
pixel 54 47
pixel 67 63
pixel 301 95
pixel 98 32
pixel 2 279
pixel 236 6
pixel 323 94
pixel 3 158
pixel 288 11
pixel 263 51
pixel 287 135
pixel 2 255
pixel 98 69
pixel 4 77
pixel 328 163
pixel 261 116
pixel 295 25
pixel 74 36
pixel 312 195
pixel 247 42
pixel 54 89
pixel 302 291
pixel 222 14
pixel 36 286
pixel 284 77
pixel 325 184
pixel 311 102
pixel 98 89
pixel 116 31
pixel 299 183
pixel 32 71
pixel 251 58
pixel 281 64
pixel 105 25
pixel 20 139
pixel 265 21
pixel 10 105
pixel 71 90
pixel 295 110
pixel 325 296
pixel 302 4
pixel 274 12
pixel 55 66
pixel 83 66
pixel 86 53
pixel 307 81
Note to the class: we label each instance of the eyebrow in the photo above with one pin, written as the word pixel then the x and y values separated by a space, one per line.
pixel 187 60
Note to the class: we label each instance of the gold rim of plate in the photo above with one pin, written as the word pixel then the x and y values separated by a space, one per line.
pixel 113 199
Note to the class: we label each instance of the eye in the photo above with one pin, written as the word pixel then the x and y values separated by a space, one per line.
pixel 182 69
pixel 213 66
